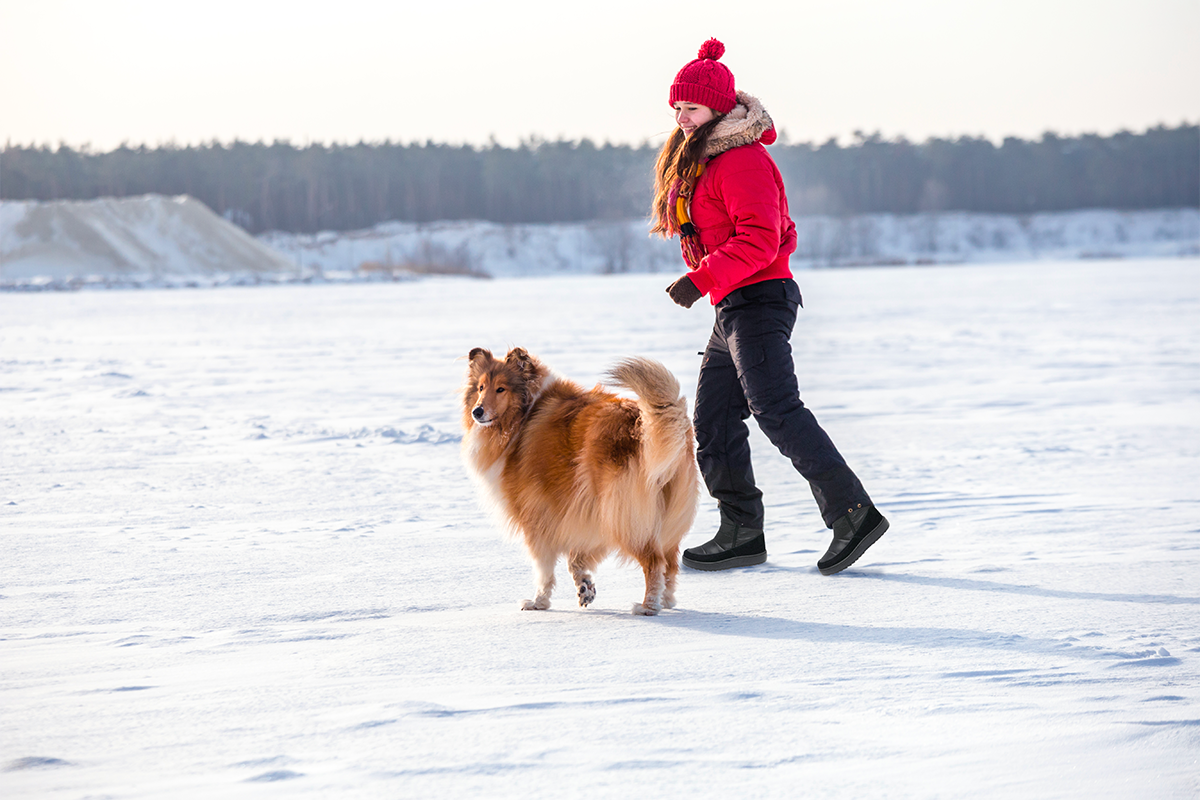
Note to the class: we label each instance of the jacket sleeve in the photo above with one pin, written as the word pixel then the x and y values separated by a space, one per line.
pixel 752 201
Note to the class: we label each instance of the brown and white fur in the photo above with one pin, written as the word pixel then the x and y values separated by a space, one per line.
pixel 584 473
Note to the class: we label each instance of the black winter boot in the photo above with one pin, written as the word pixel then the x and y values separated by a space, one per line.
pixel 733 546
pixel 852 535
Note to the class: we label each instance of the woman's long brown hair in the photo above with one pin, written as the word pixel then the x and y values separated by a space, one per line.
pixel 676 166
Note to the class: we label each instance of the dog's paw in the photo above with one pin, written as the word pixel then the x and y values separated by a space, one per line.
pixel 643 610
pixel 669 601
pixel 587 592
pixel 541 604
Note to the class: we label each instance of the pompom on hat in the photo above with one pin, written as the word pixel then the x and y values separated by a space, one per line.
pixel 706 80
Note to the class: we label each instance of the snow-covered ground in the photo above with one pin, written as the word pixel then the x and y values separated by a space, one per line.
pixel 241 558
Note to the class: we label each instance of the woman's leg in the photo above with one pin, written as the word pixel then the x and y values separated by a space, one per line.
pixel 723 451
pixel 758 335
pixel 722 437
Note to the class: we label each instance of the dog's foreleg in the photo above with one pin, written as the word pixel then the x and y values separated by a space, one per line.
pixel 581 570
pixel 671 572
pixel 654 565
pixel 543 581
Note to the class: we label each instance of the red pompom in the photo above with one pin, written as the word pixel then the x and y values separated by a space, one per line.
pixel 712 49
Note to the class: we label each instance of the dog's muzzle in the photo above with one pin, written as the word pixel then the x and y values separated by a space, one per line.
pixel 480 416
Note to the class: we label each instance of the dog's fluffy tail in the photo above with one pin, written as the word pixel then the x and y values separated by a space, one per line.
pixel 667 429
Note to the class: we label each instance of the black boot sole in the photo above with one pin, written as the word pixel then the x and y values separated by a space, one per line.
pixel 868 540
pixel 728 563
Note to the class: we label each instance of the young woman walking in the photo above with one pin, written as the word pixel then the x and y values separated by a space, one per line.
pixel 721 193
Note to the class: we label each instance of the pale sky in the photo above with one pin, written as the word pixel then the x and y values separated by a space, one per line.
pixel 152 71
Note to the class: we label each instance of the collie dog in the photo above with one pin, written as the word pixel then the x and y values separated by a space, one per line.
pixel 584 473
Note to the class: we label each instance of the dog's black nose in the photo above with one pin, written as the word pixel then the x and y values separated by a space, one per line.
pixel 477 412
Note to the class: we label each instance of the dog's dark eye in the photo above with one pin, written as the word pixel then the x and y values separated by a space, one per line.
pixel 499 390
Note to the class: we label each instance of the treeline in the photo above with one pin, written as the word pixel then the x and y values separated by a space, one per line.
pixel 1159 168
pixel 345 187
pixel 281 186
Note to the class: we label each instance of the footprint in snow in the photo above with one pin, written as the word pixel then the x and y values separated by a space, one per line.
pixel 276 775
pixel 34 762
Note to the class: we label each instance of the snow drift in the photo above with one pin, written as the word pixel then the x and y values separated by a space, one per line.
pixel 136 238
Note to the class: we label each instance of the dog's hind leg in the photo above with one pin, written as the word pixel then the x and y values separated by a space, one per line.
pixel 543 581
pixel 582 565
pixel 654 565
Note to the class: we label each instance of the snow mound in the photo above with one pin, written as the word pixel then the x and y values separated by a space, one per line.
pixel 144 238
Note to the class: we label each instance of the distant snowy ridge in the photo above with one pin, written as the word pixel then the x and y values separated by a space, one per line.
pixel 479 248
pixel 160 241
pixel 872 239
pixel 952 237
pixel 145 238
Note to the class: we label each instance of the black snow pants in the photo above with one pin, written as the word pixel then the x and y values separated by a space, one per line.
pixel 748 369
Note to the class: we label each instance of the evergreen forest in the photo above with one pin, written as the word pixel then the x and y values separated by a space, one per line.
pixel 281 186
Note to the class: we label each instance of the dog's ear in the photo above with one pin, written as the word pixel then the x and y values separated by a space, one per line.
pixel 520 360
pixel 478 353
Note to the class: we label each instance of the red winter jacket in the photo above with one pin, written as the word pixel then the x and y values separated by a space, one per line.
pixel 740 211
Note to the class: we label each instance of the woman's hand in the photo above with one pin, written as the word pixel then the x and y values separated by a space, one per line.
pixel 684 292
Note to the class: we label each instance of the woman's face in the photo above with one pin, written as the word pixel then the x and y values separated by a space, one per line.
pixel 689 116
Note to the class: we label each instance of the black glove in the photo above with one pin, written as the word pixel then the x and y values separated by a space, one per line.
pixel 684 292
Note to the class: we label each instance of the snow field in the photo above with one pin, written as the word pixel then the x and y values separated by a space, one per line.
pixel 241 554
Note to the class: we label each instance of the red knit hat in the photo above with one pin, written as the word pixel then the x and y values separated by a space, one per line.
pixel 706 81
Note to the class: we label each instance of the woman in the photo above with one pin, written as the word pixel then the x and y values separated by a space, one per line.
pixel 716 187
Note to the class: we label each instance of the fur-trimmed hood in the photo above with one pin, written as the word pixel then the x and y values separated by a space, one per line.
pixel 747 122
pixel 739 207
